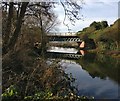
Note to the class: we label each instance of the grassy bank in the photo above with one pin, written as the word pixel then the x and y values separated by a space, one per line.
pixel 106 37
pixel 112 53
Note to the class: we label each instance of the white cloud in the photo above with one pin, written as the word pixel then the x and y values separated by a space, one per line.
pixel 106 1
pixel 92 11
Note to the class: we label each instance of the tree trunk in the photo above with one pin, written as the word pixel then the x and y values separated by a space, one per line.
pixel 18 10
pixel 14 38
pixel 43 39
pixel 8 25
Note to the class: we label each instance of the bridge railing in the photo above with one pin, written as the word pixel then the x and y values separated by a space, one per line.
pixel 63 34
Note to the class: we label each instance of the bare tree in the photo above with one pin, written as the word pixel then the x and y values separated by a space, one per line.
pixel 9 22
pixel 71 9
pixel 16 33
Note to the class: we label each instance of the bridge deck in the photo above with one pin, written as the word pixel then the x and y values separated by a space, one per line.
pixel 64 38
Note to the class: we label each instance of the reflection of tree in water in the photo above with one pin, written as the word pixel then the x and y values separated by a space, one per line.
pixel 89 57
pixel 100 65
pixel 96 74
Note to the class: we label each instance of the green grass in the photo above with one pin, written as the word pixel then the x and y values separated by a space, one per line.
pixel 106 38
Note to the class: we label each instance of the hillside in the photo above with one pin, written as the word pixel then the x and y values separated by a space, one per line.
pixel 106 37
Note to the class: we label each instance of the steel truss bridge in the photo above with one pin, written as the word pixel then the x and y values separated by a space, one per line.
pixel 69 38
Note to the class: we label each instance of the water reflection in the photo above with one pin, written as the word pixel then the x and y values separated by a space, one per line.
pixel 62 50
pixel 96 74
pixel 102 66
pixel 83 52
pixel 97 87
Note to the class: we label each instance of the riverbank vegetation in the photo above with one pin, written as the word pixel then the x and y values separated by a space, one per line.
pixel 26 75
pixel 29 77
pixel 106 37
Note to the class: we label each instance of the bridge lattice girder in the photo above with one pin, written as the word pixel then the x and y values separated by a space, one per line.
pixel 64 38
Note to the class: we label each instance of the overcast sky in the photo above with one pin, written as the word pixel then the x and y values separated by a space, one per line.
pixel 92 10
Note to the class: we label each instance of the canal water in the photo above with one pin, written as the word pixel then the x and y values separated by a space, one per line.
pixel 95 74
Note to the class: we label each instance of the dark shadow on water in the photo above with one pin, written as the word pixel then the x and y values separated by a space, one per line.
pixel 100 65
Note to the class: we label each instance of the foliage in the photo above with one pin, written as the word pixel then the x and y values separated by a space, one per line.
pixel 25 75
pixel 42 82
pixel 106 37
pixel 10 93
pixel 99 25
pixel 104 24
pixel 33 78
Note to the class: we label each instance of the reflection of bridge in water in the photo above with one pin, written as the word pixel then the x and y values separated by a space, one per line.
pixel 63 55
pixel 74 56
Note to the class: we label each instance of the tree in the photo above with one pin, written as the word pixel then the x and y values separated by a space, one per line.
pixel 97 25
pixel 16 33
pixel 42 17
pixel 71 9
pixel 104 24
pixel 9 23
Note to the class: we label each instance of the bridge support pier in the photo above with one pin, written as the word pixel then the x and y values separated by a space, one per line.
pixel 81 45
